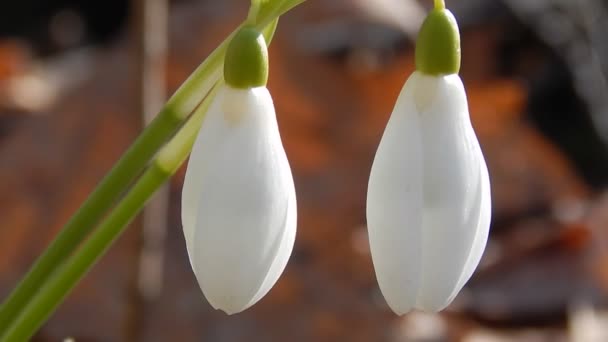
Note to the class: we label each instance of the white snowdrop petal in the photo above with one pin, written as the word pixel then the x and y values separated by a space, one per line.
pixel 244 225
pixel 451 190
pixel 284 252
pixel 394 206
pixel 482 229
pixel 205 145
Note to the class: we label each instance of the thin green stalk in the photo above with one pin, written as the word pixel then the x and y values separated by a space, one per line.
pixel 49 296
pixel 89 214
pixel 117 181
pixel 66 277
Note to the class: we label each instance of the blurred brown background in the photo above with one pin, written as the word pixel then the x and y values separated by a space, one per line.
pixel 535 72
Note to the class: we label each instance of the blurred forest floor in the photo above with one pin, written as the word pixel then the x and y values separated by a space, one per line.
pixel 544 276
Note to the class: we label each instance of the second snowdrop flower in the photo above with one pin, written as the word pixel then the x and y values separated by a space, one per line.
pixel 428 202
pixel 238 200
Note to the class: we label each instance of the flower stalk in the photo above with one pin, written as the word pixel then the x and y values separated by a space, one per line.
pixel 49 296
pixel 90 213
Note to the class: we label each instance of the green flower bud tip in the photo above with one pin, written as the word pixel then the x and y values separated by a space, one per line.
pixel 246 61
pixel 438 45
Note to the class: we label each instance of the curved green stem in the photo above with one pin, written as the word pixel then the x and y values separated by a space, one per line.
pixel 67 276
pixel 116 182
pixel 90 213
pixel 49 296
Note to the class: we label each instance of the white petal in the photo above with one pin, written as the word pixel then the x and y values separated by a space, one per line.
pixel 244 226
pixel 482 231
pixel 452 189
pixel 284 252
pixel 206 143
pixel 394 206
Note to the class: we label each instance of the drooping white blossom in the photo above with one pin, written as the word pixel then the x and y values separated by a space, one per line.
pixel 428 202
pixel 238 200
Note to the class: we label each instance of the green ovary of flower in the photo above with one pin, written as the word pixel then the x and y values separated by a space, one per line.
pixel 438 44
pixel 246 63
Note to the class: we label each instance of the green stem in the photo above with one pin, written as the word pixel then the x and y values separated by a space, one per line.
pixel 91 212
pixel 49 296
pixel 117 181
pixel 439 4
pixel 67 276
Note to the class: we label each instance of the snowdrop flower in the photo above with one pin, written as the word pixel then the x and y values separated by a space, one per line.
pixel 238 200
pixel 428 202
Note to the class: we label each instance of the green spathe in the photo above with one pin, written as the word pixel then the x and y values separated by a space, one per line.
pixel 438 44
pixel 246 63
